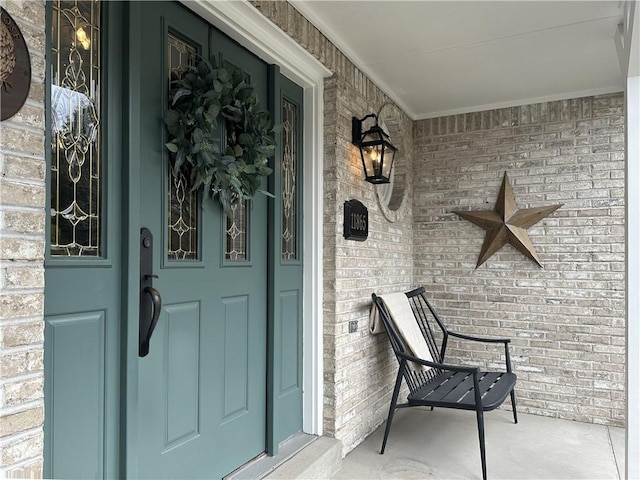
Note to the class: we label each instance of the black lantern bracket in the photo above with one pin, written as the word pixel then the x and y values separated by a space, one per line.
pixel 376 150
pixel 356 127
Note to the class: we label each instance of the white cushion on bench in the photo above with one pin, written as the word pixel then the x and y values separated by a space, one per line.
pixel 405 322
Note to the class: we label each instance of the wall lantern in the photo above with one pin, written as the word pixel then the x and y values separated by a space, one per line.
pixel 376 150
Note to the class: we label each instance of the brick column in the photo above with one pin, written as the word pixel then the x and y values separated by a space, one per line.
pixel 22 243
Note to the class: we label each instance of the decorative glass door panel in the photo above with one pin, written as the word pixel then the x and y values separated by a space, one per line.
pixel 290 159
pixel 237 231
pixel 76 170
pixel 183 202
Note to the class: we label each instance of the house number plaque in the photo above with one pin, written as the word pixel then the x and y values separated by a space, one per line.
pixel 356 221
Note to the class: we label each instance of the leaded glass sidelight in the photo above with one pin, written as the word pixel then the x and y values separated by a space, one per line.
pixel 236 233
pixel 76 160
pixel 289 177
pixel 183 202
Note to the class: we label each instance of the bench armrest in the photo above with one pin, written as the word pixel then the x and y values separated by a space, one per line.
pixel 504 341
pixel 479 339
pixel 441 366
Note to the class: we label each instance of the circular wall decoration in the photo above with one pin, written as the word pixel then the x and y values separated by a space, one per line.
pixel 15 67
pixel 392 196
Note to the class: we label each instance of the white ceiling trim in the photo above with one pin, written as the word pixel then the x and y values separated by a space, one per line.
pixel 526 101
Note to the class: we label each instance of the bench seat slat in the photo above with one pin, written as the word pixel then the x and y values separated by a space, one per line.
pixel 456 391
pixel 499 392
pixel 442 385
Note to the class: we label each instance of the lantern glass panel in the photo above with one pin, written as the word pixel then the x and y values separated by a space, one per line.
pixel 373 160
pixel 387 160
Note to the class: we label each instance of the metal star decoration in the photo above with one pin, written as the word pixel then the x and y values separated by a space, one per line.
pixel 506 224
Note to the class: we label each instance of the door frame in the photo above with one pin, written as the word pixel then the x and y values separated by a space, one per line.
pixel 245 24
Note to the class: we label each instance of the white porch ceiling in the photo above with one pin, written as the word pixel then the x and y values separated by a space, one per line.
pixel 438 58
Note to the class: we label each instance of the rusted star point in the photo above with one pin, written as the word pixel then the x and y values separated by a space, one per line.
pixel 506 224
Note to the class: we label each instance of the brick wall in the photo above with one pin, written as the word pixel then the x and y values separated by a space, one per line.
pixel 358 367
pixel 22 225
pixel 567 320
pixel 359 370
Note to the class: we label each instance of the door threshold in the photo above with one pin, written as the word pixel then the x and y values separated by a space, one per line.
pixel 263 464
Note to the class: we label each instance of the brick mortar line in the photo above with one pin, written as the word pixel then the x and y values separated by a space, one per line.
pixel 23 127
pixel 37 104
pixel 19 436
pixel 17 465
pixel 441 143
pixel 19 264
pixel 20 291
pixel 19 236
pixel 22 181
pixel 10 290
pixel 22 320
pixel 20 464
pixel 22 377
pixel 35 261
pixel 532 294
pixel 22 209
pixel 29 348
pixel 21 154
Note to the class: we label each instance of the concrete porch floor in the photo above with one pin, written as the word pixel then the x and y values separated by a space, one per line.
pixel 443 444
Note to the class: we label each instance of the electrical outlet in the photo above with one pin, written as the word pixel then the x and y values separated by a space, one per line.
pixel 353 326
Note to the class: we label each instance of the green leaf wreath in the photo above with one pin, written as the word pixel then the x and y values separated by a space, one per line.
pixel 198 98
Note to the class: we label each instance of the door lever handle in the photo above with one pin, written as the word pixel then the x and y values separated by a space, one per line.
pixel 149 310
pixel 156 301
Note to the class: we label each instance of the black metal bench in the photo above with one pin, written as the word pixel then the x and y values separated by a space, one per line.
pixel 433 383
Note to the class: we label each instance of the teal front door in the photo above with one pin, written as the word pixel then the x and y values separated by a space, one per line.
pixel 222 382
pixel 202 389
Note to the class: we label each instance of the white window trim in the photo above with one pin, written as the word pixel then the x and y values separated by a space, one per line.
pixel 245 24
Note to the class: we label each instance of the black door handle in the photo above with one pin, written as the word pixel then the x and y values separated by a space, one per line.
pixel 156 302
pixel 149 310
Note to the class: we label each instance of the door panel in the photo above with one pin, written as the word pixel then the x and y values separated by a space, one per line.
pixel 286 260
pixel 83 257
pixel 289 334
pixel 182 381
pixel 236 352
pixel 76 352
pixel 202 387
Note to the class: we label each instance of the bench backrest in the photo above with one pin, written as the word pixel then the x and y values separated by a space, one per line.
pixel 433 332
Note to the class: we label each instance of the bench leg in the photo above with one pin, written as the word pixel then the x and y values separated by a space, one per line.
pixel 483 459
pixel 392 409
pixel 513 406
